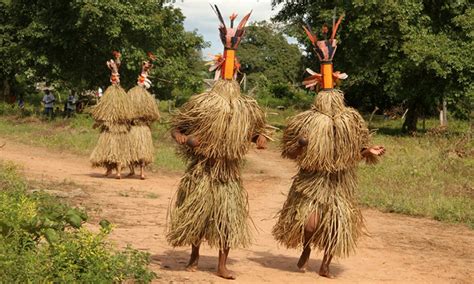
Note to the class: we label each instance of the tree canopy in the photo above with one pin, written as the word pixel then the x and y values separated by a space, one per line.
pixel 69 41
pixel 416 52
pixel 266 54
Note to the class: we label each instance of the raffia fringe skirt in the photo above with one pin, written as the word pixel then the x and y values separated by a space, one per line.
pixel 209 208
pixel 331 197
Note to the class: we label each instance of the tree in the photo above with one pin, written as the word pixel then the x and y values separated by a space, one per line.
pixel 69 41
pixel 418 52
pixel 266 57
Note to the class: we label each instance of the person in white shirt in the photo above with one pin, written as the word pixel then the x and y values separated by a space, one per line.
pixel 71 105
pixel 48 101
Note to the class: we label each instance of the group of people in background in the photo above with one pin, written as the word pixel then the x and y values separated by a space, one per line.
pixel 49 101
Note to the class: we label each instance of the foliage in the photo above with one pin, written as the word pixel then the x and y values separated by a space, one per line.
pixel 69 42
pixel 272 65
pixel 42 240
pixel 417 52
pixel 265 52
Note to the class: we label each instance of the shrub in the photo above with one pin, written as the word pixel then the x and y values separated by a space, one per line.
pixel 42 240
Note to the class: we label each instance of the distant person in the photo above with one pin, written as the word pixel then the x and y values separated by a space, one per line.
pixel 48 101
pixel 71 105
pixel 21 103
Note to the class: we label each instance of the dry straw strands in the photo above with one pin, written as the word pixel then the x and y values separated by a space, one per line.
pixel 209 209
pixel 326 182
pixel 112 147
pixel 331 197
pixel 143 104
pixel 145 111
pixel 141 145
pixel 113 107
pixel 224 122
pixel 211 203
pixel 336 134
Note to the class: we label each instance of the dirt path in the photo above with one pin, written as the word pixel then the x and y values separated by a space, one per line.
pixel 399 250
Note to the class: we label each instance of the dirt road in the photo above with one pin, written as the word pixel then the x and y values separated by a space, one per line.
pixel 399 249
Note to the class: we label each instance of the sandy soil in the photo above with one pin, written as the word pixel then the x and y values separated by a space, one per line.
pixel 399 249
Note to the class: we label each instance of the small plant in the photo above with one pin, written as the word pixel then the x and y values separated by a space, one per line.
pixel 43 240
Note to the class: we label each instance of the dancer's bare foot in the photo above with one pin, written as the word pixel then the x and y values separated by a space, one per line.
pixel 194 259
pixel 119 171
pixel 222 270
pixel 324 269
pixel 225 273
pixel 142 172
pixel 131 174
pixel 324 272
pixel 304 259
pixel 108 172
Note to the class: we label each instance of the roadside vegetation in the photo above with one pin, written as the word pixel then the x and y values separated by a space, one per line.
pixel 43 240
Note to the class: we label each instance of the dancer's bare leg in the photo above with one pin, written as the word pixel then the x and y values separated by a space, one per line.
pixel 309 231
pixel 119 171
pixel 109 171
pixel 194 259
pixel 324 269
pixel 142 170
pixel 222 270
pixel 132 170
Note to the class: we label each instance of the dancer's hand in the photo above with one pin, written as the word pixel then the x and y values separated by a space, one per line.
pixel 261 142
pixel 374 151
pixel 179 137
pixel 192 141
pixel 303 141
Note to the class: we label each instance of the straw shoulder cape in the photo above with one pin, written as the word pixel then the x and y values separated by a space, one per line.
pixel 211 203
pixel 326 180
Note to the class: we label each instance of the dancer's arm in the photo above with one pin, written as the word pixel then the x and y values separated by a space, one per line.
pixel 182 139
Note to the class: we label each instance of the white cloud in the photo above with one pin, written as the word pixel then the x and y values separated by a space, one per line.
pixel 200 17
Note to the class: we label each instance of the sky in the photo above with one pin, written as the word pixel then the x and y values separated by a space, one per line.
pixel 200 17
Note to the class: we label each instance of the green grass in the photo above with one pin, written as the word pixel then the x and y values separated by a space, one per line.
pixel 428 174
pixel 77 136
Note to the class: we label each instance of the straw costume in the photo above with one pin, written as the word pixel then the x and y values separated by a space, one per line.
pixel 215 130
pixel 145 112
pixel 112 116
pixel 327 142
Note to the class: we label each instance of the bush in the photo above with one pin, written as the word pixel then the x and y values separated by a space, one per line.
pixel 283 94
pixel 42 240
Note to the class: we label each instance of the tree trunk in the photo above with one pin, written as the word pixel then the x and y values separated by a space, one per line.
pixel 409 125
pixel 6 90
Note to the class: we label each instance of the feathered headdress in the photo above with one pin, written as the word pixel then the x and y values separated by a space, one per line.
pixel 325 50
pixel 146 66
pixel 114 65
pixel 227 66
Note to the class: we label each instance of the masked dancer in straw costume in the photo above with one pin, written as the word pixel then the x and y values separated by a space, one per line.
pixel 327 142
pixel 145 112
pixel 112 116
pixel 215 130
